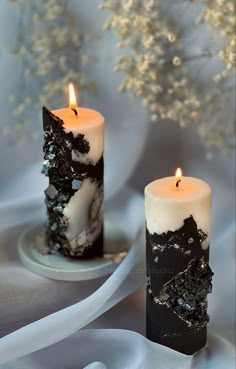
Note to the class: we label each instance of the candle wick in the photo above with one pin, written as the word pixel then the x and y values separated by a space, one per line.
pixel 75 111
pixel 178 182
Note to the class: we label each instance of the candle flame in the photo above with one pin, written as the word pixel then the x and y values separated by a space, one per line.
pixel 178 173
pixel 72 97
pixel 178 176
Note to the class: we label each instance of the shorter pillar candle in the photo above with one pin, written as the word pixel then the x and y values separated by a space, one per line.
pixel 73 153
pixel 177 254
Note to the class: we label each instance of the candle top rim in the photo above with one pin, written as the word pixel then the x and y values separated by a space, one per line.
pixel 86 117
pixel 164 189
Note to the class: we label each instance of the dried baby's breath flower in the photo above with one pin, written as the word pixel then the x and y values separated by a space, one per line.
pixel 52 50
pixel 156 66
pixel 220 15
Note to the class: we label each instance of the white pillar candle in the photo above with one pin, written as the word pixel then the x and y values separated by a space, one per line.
pixel 167 205
pixel 179 277
pixel 74 145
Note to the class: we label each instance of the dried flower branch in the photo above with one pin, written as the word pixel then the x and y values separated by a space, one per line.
pixel 52 51
pixel 221 17
pixel 157 68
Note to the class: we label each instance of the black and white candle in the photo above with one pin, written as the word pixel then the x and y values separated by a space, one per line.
pixel 177 255
pixel 73 154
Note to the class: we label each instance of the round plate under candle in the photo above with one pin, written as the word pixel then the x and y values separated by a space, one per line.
pixel 56 266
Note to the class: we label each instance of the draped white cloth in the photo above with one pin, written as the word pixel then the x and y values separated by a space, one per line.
pixel 118 349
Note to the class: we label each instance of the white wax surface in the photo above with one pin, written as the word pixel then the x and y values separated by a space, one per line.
pixel 77 210
pixel 90 123
pixel 167 206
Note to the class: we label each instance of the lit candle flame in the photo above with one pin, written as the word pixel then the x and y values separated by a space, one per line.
pixel 178 173
pixel 72 98
pixel 178 176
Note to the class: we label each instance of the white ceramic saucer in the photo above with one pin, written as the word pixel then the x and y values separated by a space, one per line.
pixel 56 266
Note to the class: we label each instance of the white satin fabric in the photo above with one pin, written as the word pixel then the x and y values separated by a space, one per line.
pixel 121 349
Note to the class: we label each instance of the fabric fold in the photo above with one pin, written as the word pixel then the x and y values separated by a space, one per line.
pixel 118 349
pixel 64 323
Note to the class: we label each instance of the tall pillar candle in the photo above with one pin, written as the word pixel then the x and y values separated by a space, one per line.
pixel 177 255
pixel 73 153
